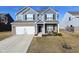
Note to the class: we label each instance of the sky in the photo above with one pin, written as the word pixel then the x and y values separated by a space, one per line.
pixel 12 10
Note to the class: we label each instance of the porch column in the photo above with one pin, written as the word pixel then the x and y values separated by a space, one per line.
pixel 53 28
pixel 58 28
pixel 43 28
pixel 13 29
pixel 36 29
pixel 56 17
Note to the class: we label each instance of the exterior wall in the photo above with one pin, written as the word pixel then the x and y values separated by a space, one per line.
pixel 6 19
pixel 74 22
pixel 5 22
pixel 65 21
pixel 49 11
pixel 41 16
pixel 22 14
pixel 54 27
pixel 31 11
pixel 44 29
pixel 18 24
pixel 13 29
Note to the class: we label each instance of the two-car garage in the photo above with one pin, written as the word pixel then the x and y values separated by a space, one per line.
pixel 20 28
pixel 25 30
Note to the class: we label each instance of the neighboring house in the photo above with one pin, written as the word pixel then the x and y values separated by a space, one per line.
pixel 29 21
pixel 69 21
pixel 5 20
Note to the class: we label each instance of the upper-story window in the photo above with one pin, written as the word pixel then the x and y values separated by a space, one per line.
pixel 29 17
pixel 18 17
pixel 49 16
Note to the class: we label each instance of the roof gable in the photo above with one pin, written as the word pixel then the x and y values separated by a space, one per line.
pixel 30 11
pixel 39 22
pixel 40 11
pixel 50 10
pixel 25 9
pixel 21 10
pixel 6 15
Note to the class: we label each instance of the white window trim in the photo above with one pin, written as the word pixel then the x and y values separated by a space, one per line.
pixel 19 17
pixel 49 18
pixel 29 18
pixel 49 28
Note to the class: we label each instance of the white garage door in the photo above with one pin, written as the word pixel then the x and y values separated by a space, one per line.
pixel 25 30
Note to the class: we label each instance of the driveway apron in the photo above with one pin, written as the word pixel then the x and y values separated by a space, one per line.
pixel 16 44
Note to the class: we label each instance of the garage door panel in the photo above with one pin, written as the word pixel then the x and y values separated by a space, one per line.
pixel 25 30
pixel 19 30
pixel 30 30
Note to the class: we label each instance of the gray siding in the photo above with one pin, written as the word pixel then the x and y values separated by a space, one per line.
pixel 21 15
pixel 65 21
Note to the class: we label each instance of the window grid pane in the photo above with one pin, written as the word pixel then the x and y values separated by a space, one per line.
pixel 49 28
pixel 29 17
pixel 49 16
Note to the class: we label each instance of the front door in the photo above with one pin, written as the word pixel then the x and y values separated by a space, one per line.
pixel 40 28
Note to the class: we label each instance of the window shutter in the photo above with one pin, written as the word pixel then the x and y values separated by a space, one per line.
pixel 53 16
pixel 38 14
pixel 33 17
pixel 25 17
pixel 45 17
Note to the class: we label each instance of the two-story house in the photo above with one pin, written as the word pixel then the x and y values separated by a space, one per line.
pixel 70 19
pixel 5 20
pixel 30 21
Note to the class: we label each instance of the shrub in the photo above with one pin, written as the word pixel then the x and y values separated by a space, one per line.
pixel 49 34
pixel 54 33
pixel 59 34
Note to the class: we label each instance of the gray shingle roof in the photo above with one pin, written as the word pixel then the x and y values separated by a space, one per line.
pixel 74 13
pixel 40 11
pixel 3 14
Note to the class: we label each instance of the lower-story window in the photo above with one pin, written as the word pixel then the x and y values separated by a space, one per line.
pixel 49 28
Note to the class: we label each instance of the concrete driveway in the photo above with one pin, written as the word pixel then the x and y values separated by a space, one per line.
pixel 16 44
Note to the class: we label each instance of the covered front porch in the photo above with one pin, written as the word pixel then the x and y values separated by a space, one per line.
pixel 46 28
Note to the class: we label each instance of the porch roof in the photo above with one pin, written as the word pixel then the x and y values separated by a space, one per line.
pixel 51 22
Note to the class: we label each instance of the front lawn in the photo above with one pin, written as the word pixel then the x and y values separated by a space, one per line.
pixel 4 35
pixel 54 44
